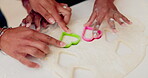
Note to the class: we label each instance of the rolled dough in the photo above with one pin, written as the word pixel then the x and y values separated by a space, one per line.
pixel 113 56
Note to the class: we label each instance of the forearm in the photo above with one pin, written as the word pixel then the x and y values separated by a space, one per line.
pixel 2 30
pixel 0 39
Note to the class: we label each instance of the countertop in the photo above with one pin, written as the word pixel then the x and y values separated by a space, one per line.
pixel 14 12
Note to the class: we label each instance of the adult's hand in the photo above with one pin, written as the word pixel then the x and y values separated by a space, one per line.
pixel 105 9
pixel 51 11
pixel 21 41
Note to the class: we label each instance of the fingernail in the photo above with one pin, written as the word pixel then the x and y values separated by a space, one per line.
pixel 88 24
pixel 130 23
pixel 62 44
pixel 64 6
pixel 69 31
pixel 23 24
pixel 123 24
pixel 28 24
pixel 38 29
pixel 85 25
pixel 115 31
pixel 51 20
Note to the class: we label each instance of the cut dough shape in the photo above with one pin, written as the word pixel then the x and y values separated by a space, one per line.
pixel 83 73
pixel 110 36
pixel 66 59
pixel 123 49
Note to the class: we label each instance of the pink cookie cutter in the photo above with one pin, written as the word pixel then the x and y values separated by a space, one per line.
pixel 91 39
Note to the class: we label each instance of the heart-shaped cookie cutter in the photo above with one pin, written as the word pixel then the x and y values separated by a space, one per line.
pixel 91 39
pixel 71 35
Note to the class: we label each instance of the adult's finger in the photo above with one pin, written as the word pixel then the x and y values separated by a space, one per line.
pixel 100 16
pixel 112 24
pixel 118 19
pixel 49 40
pixel 27 6
pixel 42 46
pixel 33 51
pixel 27 62
pixel 91 19
pixel 46 15
pixel 60 21
pixel 125 19
pixel 52 9
pixel 65 13
pixel 65 6
pixel 54 12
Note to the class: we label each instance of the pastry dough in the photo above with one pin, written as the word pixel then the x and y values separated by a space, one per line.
pixel 112 56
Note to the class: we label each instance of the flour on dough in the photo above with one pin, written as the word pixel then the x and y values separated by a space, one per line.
pixel 103 58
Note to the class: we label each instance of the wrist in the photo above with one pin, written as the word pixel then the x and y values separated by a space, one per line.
pixel 2 31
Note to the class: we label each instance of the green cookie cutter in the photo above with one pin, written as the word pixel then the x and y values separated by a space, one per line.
pixel 71 35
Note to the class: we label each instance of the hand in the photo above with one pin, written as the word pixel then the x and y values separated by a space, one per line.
pixel 21 41
pixel 36 19
pixel 51 11
pixel 105 9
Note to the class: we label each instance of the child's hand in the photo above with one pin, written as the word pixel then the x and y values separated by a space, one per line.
pixel 36 19
pixel 105 9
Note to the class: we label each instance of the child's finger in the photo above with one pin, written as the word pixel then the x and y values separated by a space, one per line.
pixel 28 20
pixel 23 23
pixel 44 23
pixel 37 21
